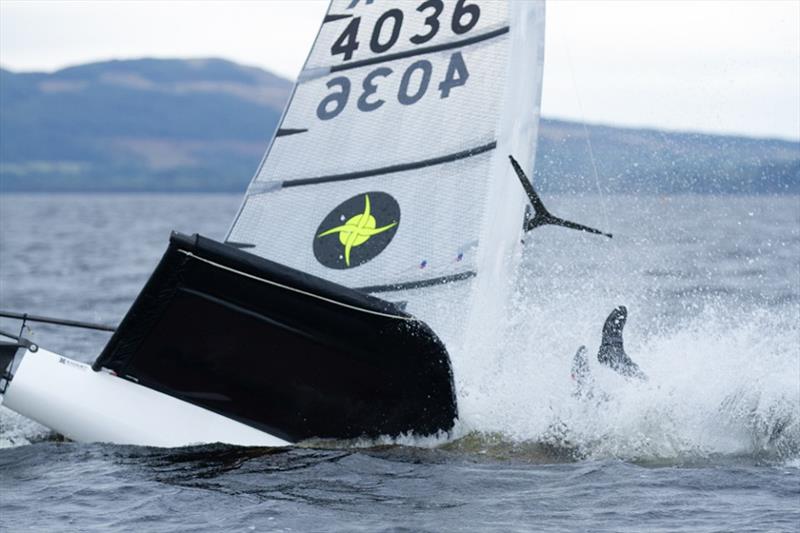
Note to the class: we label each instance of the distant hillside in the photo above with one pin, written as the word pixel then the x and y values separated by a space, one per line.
pixel 137 125
pixel 653 161
pixel 202 125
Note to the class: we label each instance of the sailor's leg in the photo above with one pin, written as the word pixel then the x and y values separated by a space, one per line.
pixel 612 351
pixel 581 375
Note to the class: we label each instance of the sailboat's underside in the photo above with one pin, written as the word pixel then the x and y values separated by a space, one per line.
pixel 224 346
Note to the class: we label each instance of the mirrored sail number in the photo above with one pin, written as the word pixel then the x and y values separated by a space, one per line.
pixel 413 86
pixel 386 31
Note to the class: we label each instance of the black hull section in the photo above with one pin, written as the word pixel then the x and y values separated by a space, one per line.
pixel 280 350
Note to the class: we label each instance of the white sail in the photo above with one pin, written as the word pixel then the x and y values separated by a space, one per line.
pixel 389 172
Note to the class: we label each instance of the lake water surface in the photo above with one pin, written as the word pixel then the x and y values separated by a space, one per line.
pixel 710 443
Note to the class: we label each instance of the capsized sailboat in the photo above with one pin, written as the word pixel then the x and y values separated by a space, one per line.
pixel 382 217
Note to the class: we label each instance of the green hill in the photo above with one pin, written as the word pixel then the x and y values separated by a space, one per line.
pixel 202 125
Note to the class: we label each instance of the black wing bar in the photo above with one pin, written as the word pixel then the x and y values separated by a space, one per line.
pixel 542 216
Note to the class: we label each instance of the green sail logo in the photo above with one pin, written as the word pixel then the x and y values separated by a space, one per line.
pixel 357 230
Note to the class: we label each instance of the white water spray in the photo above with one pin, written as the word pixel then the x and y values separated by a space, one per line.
pixel 723 363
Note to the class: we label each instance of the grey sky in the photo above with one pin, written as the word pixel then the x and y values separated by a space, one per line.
pixel 715 66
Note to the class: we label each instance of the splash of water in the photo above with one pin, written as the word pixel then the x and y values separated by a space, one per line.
pixel 721 383
pixel 16 430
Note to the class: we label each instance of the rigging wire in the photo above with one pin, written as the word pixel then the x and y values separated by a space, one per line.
pixel 586 134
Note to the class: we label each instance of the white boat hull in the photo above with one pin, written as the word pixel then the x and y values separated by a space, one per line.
pixel 87 406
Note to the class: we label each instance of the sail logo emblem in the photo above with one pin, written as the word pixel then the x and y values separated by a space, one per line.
pixel 357 230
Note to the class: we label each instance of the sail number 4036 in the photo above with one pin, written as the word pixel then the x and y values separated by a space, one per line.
pixel 386 31
pixel 413 86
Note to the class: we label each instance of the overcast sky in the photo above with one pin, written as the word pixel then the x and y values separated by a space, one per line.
pixel 715 66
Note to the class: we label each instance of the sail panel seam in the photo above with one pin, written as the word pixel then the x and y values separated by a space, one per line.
pixel 402 167
pixel 333 18
pixel 285 132
pixel 430 282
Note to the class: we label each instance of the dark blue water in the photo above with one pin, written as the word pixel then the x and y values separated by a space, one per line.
pixel 710 443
